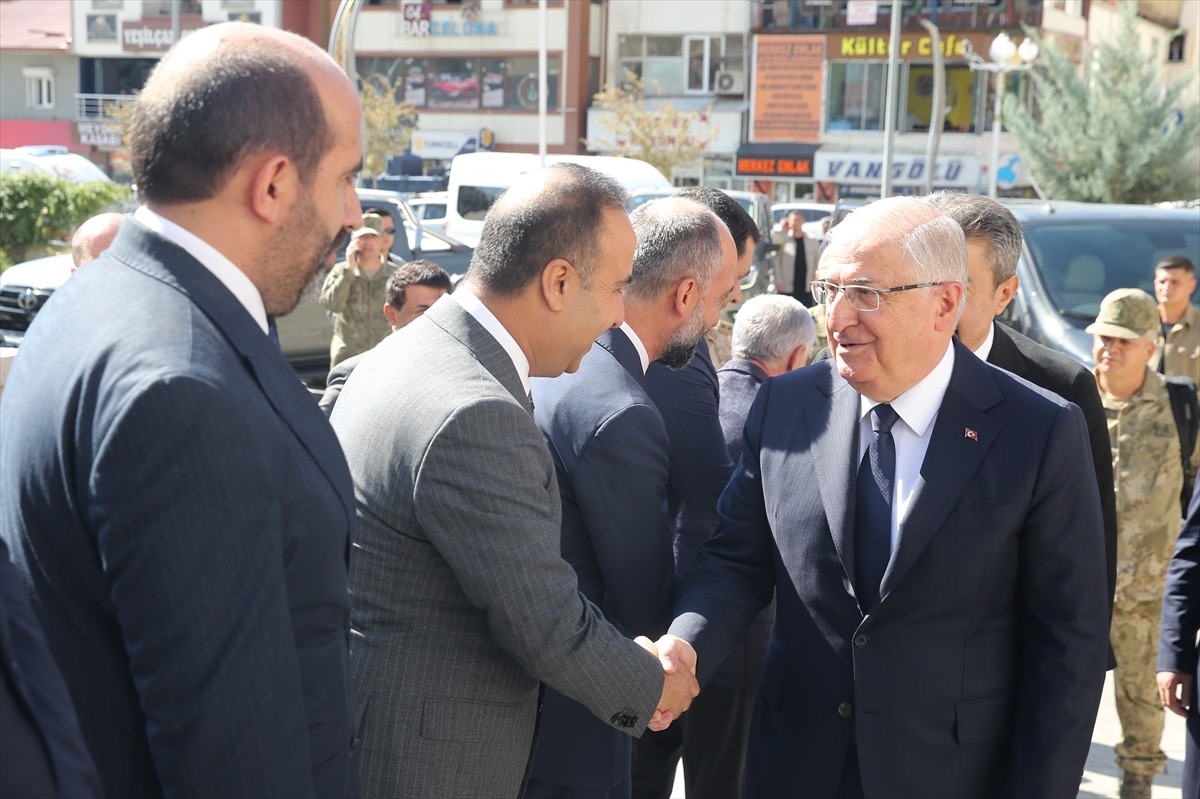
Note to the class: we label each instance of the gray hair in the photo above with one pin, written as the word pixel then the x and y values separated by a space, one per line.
pixel 676 238
pixel 768 328
pixel 984 219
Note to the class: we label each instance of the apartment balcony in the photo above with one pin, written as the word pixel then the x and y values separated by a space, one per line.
pixel 99 107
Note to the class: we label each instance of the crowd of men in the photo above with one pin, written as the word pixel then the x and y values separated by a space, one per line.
pixel 540 521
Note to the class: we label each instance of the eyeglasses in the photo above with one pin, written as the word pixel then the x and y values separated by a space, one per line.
pixel 861 298
pixel 389 231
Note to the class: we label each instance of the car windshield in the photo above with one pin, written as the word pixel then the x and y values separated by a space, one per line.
pixel 1079 262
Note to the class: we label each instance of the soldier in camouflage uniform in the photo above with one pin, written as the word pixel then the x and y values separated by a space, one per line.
pixel 1148 474
pixel 356 291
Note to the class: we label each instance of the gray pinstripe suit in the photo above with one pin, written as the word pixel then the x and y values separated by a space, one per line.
pixel 462 601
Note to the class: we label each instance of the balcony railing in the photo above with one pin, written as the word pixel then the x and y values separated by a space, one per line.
pixel 92 107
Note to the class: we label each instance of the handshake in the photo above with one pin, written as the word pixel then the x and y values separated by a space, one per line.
pixel 678 660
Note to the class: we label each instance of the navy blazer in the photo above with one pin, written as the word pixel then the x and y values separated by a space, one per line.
pixel 182 511
pixel 610 451
pixel 979 672
pixel 1066 377
pixel 1180 625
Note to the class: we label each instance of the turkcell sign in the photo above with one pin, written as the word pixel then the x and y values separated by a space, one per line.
pixel 867 168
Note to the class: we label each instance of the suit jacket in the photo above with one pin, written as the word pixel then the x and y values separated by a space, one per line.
pixel 44 753
pixel 1180 625
pixel 1067 378
pixel 700 465
pixel 979 671
pixel 183 513
pixel 610 452
pixel 338 376
pixel 462 601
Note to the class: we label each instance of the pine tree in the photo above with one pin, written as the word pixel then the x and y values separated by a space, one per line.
pixel 651 129
pixel 1110 134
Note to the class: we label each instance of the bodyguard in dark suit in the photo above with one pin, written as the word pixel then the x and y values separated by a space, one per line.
pixel 941 622
pixel 175 500
pixel 611 456
pixel 1178 672
pixel 993 247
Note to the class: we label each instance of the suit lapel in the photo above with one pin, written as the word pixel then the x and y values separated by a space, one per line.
pixel 832 425
pixel 159 258
pixel 447 314
pixel 962 435
pixel 1005 353
pixel 617 343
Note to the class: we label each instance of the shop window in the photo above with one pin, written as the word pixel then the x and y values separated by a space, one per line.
pixel 856 96
pixel 1175 49
pixel 508 82
pixel 960 98
pixel 39 87
pixel 675 65
pixel 512 82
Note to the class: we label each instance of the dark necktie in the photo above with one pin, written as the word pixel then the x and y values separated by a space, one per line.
pixel 873 508
pixel 273 331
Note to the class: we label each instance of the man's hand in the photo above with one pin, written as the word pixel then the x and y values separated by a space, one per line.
pixel 678 659
pixel 1175 691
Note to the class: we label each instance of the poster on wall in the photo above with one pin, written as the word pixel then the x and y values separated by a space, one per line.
pixel 785 97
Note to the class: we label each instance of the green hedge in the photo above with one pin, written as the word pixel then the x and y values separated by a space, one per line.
pixel 37 209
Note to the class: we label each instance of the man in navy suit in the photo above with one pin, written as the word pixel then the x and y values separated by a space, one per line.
pixel 610 452
pixel 177 503
pixel 1178 666
pixel 935 553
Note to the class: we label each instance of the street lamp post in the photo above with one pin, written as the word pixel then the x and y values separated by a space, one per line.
pixel 1005 57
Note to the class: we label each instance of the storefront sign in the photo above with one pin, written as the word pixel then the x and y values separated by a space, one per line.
pixel 99 134
pixel 862 12
pixel 154 34
pixel 789 75
pixel 101 27
pixel 913 46
pixel 777 161
pixel 442 145
pixel 867 168
pixel 415 18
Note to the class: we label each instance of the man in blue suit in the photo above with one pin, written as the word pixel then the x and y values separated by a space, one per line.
pixel 177 503
pixel 610 452
pixel 1178 669
pixel 935 552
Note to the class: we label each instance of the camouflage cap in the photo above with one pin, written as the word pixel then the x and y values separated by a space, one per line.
pixel 1126 313
pixel 374 222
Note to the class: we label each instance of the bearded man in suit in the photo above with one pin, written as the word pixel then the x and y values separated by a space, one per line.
pixel 169 489
pixel 936 557
pixel 463 602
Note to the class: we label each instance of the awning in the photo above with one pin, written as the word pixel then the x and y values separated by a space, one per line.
pixel 778 160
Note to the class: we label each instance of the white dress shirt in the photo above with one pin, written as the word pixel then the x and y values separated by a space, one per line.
pixel 643 356
pixel 985 349
pixel 475 307
pixel 917 409
pixel 222 268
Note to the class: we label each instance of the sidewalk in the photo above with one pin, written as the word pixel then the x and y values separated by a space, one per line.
pixel 1101 777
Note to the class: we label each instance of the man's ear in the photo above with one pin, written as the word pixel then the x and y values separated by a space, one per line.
pixel 272 188
pixel 560 284
pixel 1004 294
pixel 687 297
pixel 949 298
pixel 798 358
pixel 393 316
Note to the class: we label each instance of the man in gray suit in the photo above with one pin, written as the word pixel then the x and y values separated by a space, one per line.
pixel 611 453
pixel 462 602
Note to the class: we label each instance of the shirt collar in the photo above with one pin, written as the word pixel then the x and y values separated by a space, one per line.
pixel 918 406
pixel 222 268
pixel 985 349
pixel 471 303
pixel 643 356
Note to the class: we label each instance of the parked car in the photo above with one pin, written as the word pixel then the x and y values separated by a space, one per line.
pixel 430 208
pixel 761 279
pixel 304 334
pixel 56 161
pixel 1076 253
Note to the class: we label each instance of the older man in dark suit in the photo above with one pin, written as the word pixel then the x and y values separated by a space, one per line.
pixel 937 560
pixel 993 247
pixel 170 491
pixel 1178 665
pixel 611 456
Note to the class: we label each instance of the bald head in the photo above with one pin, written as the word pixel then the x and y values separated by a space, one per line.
pixel 225 93
pixel 555 212
pixel 94 237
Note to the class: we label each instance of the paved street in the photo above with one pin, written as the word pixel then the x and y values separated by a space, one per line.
pixel 1100 778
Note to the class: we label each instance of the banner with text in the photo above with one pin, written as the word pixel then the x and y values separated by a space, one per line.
pixel 789 77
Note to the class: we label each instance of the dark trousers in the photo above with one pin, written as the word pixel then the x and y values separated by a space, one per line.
pixel 536 789
pixel 711 738
pixel 1191 762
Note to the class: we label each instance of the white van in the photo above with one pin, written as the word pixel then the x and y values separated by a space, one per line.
pixel 477 179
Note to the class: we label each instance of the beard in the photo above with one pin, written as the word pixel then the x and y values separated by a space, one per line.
pixel 682 347
pixel 299 256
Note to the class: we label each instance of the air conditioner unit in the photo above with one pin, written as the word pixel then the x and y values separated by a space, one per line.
pixel 730 81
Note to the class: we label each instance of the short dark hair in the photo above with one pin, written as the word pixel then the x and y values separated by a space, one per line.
pixel 741 225
pixel 420 272
pixel 191 128
pixel 563 219
pixel 984 219
pixel 1177 262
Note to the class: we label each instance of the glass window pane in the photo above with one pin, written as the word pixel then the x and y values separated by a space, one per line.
pixel 696 73
pixel 664 76
pixel 521 83
pixel 452 83
pixel 414 81
pixel 630 46
pixel 493 82
pixel 664 46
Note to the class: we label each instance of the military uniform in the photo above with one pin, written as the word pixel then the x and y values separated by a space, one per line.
pixel 1181 347
pixel 720 343
pixel 358 301
pixel 1146 467
pixel 817 312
